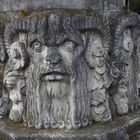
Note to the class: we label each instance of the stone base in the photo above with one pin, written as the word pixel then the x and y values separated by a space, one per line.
pixel 123 128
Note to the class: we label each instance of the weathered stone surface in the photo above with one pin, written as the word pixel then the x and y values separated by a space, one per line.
pixel 69 70
pixel 69 64
pixel 123 128
pixel 14 5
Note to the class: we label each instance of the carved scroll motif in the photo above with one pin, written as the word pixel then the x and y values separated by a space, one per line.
pixel 124 52
pixel 97 44
pixel 4 99
pixel 96 59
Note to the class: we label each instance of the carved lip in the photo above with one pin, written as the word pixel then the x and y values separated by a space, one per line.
pixel 54 76
pixel 55 73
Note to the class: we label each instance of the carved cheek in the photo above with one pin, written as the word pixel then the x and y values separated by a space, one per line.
pixel 68 57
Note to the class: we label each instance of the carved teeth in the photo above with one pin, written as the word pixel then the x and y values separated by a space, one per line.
pixel 54 77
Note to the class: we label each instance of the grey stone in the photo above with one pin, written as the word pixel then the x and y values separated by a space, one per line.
pixel 120 129
pixel 14 5
pixel 66 65
pixel 61 71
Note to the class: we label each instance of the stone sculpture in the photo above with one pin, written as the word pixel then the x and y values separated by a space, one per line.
pixel 69 71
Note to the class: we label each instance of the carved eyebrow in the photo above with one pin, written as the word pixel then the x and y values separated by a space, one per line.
pixel 67 39
pixel 72 39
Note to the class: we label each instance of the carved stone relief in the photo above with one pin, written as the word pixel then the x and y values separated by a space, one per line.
pixel 95 56
pixel 126 59
pixel 62 71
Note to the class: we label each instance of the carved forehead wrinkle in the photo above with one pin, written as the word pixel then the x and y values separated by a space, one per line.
pixel 38 30
pixel 38 24
pixel 54 22
pixel 60 29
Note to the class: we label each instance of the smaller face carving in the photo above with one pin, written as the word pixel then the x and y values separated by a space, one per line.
pixel 16 86
pixel 17 55
pixel 95 53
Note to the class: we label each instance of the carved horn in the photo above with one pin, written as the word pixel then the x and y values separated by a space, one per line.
pixel 90 23
pixel 13 28
pixel 2 47
pixel 130 20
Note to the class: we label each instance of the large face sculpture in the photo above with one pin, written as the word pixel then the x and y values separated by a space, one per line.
pixel 55 83
pixel 57 73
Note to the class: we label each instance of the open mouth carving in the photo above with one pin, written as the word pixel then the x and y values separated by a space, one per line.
pixel 54 76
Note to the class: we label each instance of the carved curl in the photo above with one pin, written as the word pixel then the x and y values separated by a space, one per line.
pixel 2 48
pixel 88 23
pixel 14 27
pixel 91 23
pixel 130 20
pixel 19 55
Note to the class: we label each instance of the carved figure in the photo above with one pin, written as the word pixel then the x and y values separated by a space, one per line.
pixel 124 53
pixel 14 79
pixel 60 71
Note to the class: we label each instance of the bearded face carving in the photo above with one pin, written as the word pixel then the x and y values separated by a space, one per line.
pixel 62 73
pixel 56 74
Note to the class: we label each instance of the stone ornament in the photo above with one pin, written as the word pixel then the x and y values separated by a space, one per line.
pixel 65 71
pixel 126 57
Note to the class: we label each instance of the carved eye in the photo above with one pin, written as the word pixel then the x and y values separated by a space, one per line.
pixel 69 46
pixel 37 46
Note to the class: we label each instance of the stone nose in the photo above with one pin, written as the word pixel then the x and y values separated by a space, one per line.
pixel 53 56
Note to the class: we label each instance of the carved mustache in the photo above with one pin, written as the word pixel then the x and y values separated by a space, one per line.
pixel 56 72
pixel 51 70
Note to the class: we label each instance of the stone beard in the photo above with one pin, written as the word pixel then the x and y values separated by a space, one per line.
pixel 56 100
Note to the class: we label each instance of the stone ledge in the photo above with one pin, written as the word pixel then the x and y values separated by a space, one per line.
pixel 120 129
pixel 14 5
